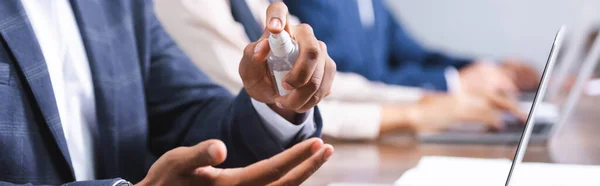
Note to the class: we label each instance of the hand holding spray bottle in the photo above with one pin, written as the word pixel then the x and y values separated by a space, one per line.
pixel 281 59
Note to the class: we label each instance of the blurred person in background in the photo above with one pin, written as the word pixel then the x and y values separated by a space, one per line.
pixel 96 93
pixel 590 39
pixel 364 37
pixel 593 84
pixel 214 34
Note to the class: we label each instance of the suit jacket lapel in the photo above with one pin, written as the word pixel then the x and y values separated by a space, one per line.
pixel 16 30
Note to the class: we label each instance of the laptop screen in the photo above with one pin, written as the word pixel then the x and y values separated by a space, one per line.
pixel 521 148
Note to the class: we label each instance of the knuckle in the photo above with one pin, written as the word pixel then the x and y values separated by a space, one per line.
pixel 242 72
pixel 313 52
pixel 322 44
pixel 275 173
pixel 316 98
pixel 332 65
pixel 248 50
pixel 313 84
pixel 295 80
pixel 306 27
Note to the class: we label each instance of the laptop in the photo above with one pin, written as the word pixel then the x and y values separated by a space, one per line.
pixel 589 64
pixel 530 124
pixel 528 133
pixel 546 119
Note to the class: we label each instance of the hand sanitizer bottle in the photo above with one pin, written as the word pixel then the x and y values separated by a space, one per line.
pixel 281 59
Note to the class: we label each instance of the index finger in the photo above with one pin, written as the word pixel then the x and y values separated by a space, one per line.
pixel 277 18
pixel 303 171
pixel 508 104
pixel 309 59
pixel 272 169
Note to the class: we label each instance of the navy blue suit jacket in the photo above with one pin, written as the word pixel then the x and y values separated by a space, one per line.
pixel 150 98
pixel 384 52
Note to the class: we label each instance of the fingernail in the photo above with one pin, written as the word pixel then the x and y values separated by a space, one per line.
pixel 213 151
pixel 278 104
pixel 258 47
pixel 275 23
pixel 287 86
pixel 328 152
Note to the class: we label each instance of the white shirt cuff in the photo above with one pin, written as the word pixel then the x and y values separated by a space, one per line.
pixel 346 120
pixel 284 131
pixel 452 79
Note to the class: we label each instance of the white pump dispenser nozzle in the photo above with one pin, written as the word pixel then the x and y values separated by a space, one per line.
pixel 281 44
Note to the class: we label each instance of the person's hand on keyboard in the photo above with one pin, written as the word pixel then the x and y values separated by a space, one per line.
pixel 438 112
pixel 485 78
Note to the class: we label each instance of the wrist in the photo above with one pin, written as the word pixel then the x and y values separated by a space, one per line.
pixel 395 118
pixel 413 116
pixel 142 183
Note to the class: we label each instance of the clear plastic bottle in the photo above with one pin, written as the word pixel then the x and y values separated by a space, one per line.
pixel 281 59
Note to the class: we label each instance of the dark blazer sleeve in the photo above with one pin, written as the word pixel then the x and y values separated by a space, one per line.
pixel 185 107
pixel 416 65
pixel 337 23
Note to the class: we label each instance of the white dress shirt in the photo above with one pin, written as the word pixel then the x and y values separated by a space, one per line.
pixel 208 33
pixel 58 35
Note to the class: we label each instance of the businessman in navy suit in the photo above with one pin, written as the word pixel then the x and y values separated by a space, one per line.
pixel 96 93
pixel 363 37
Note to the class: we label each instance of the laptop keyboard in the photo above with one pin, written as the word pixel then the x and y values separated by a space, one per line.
pixel 519 128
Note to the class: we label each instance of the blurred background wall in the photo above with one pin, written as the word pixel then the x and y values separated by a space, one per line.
pixel 495 28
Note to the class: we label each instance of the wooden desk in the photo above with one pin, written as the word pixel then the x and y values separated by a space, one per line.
pixel 384 161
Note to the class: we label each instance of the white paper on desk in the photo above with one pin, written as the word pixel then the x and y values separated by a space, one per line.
pixel 453 171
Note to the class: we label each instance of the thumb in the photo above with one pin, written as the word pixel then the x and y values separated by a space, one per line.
pixel 206 153
pixel 277 18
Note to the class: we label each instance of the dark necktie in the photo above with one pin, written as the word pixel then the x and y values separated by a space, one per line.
pixel 242 14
